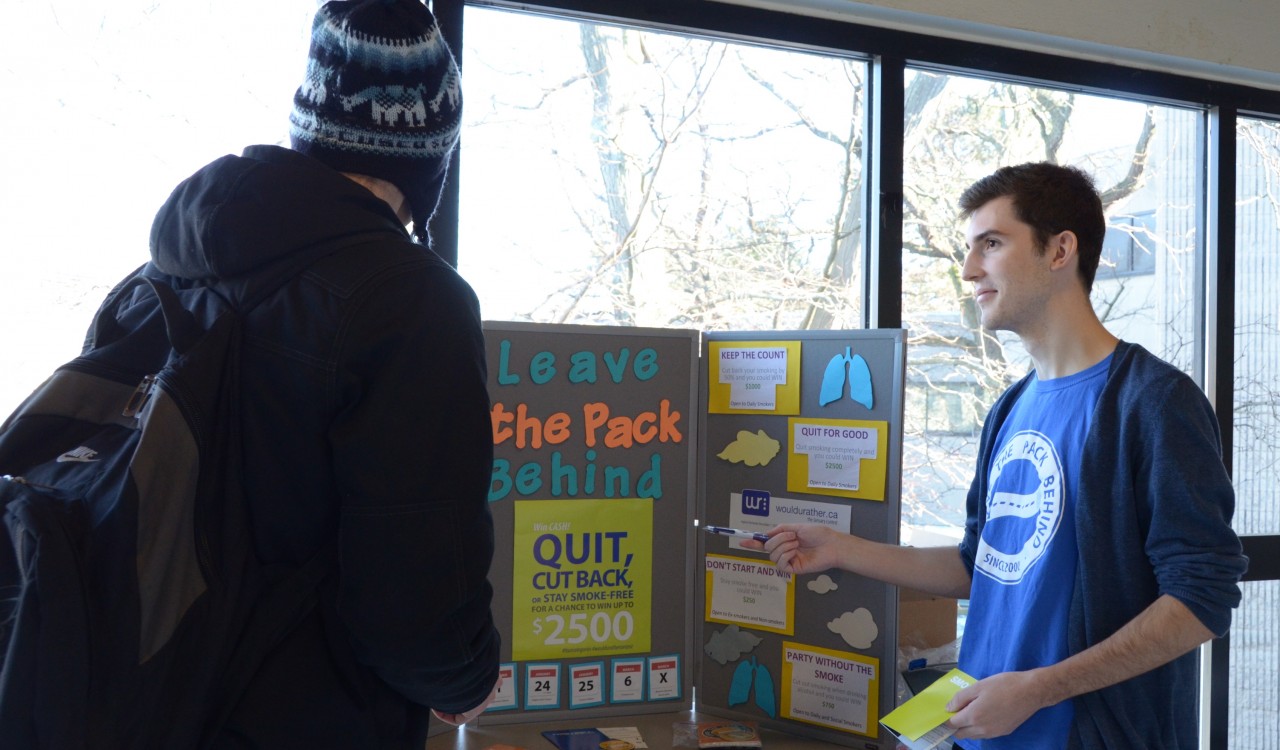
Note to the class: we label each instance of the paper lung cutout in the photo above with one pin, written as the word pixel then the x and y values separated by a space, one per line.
pixel 751 448
pixel 859 380
pixel 833 379
pixel 765 700
pixel 751 674
pixel 740 688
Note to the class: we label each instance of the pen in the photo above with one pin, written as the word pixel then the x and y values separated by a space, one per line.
pixel 726 531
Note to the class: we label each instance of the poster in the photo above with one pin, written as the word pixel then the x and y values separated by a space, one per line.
pixel 840 457
pixel 830 688
pixel 754 377
pixel 603 439
pixel 582 578
pixel 749 592
pixel 758 510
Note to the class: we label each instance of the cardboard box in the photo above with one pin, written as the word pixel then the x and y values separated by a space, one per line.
pixel 925 621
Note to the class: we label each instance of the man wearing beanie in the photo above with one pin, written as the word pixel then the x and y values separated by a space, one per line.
pixel 366 419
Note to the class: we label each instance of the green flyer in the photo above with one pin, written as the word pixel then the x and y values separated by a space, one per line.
pixel 920 723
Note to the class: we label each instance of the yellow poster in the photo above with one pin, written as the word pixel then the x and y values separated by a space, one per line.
pixel 836 689
pixel 581 578
pixel 753 377
pixel 750 592
pixel 841 457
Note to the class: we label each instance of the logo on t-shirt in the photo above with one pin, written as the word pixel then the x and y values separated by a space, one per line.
pixel 1024 507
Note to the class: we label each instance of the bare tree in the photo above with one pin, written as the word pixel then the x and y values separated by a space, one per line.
pixel 687 231
pixel 727 250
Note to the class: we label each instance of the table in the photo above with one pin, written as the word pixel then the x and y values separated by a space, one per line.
pixel 656 729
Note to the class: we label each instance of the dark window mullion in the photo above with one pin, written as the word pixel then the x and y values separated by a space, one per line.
pixel 882 272
pixel 1220 234
pixel 1220 228
pixel 444 223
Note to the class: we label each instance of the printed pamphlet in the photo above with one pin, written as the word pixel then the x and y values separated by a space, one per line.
pixel 576 739
pixel 920 723
pixel 727 734
pixel 590 738
pixel 624 738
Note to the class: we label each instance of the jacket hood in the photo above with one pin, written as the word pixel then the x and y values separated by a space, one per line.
pixel 241 214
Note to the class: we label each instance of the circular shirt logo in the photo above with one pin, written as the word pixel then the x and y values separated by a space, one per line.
pixel 1024 507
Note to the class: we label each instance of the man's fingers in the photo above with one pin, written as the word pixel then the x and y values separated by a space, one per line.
pixel 962 698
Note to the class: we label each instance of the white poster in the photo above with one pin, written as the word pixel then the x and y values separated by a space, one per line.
pixel 829 688
pixel 749 592
pixel 753 376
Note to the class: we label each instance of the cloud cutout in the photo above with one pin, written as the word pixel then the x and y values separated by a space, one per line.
pixel 751 448
pixel 730 644
pixel 822 584
pixel 857 628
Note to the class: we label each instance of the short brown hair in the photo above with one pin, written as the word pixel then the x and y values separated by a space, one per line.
pixel 1051 198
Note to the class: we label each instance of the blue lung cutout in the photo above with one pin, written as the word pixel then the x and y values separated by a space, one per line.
pixel 748 674
pixel 764 691
pixel 860 382
pixel 833 379
pixel 740 688
pixel 859 379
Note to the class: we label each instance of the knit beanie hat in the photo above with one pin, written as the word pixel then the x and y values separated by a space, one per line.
pixel 381 98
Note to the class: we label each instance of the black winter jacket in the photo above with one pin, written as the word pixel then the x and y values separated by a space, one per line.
pixel 366 424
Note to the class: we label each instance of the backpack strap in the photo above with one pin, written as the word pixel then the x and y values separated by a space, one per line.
pixel 179 323
pixel 296 593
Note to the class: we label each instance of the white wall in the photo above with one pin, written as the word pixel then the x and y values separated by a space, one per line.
pixel 1225 40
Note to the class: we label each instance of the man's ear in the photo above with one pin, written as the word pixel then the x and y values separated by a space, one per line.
pixel 1063 248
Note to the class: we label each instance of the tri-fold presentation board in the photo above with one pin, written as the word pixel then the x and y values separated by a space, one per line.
pixel 611 446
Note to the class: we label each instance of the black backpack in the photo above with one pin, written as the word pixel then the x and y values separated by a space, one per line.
pixel 133 610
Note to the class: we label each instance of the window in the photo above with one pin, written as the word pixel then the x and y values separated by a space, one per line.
pixel 119 102
pixel 958 129
pixel 610 177
pixel 1129 247
pixel 1256 447
pixel 1255 635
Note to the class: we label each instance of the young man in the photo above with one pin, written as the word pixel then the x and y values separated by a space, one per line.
pixel 1098 552
pixel 366 416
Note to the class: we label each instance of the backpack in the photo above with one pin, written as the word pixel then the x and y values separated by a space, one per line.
pixel 133 608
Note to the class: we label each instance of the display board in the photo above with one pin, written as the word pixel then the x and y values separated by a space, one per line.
pixel 611 446
pixel 799 427
pixel 595 434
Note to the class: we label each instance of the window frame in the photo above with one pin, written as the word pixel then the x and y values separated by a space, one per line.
pixel 891 52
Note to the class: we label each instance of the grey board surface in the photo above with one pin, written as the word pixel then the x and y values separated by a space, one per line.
pixel 883 350
pixel 531 364
pixel 549 369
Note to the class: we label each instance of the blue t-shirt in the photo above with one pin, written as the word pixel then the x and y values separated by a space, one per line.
pixel 1025 566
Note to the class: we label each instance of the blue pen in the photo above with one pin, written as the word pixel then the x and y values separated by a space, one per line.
pixel 726 531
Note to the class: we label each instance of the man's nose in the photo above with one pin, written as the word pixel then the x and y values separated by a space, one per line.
pixel 971 269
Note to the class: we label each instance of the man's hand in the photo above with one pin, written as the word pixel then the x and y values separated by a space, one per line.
pixel 801 548
pixel 995 706
pixel 463 718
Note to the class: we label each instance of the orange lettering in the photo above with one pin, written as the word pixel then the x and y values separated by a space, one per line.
pixel 593 416
pixel 499 416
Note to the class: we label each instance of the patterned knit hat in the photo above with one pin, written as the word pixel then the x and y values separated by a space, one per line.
pixel 381 98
